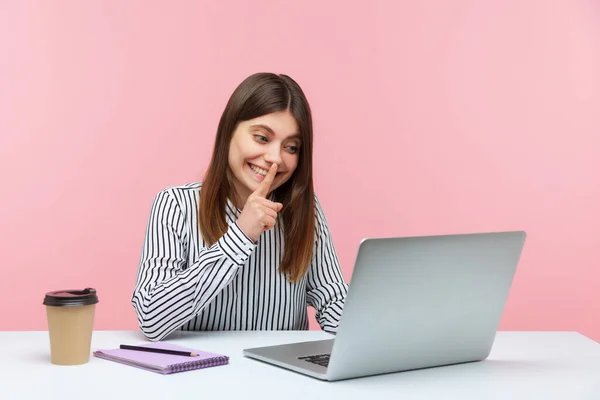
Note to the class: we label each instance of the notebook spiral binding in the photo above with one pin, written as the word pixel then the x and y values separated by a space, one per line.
pixel 209 362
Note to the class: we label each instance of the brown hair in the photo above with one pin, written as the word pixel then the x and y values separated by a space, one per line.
pixel 258 95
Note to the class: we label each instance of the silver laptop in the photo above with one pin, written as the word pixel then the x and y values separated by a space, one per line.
pixel 413 302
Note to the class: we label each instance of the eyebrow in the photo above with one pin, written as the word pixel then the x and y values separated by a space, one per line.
pixel 268 129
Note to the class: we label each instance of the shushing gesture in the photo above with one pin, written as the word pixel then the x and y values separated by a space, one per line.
pixel 259 213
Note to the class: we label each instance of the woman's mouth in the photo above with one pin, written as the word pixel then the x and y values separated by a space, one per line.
pixel 259 171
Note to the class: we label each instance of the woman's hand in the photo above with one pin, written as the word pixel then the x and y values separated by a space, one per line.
pixel 259 213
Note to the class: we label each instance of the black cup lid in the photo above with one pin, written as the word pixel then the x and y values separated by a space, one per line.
pixel 63 298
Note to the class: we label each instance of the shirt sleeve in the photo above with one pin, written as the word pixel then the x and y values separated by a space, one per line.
pixel 169 292
pixel 326 288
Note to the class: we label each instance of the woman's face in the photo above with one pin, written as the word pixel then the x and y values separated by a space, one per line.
pixel 258 143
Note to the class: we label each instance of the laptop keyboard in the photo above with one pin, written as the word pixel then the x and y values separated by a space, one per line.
pixel 319 359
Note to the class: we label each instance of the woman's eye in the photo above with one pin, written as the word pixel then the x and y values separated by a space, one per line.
pixel 293 149
pixel 260 138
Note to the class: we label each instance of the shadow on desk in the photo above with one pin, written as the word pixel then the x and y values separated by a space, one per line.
pixel 37 358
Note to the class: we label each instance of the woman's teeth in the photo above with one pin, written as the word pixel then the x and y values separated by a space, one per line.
pixel 259 171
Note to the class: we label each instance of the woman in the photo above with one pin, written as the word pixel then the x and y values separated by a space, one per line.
pixel 248 248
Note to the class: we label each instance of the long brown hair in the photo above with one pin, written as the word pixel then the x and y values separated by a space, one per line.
pixel 258 95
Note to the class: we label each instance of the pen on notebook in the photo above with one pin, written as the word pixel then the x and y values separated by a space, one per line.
pixel 155 350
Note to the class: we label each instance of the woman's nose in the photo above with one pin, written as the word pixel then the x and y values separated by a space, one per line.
pixel 273 156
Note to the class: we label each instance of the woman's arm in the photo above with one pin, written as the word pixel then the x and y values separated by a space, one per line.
pixel 168 292
pixel 325 283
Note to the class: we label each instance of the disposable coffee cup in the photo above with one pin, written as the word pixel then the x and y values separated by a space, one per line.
pixel 70 315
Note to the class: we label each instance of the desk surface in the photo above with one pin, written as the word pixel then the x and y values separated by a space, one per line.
pixel 522 365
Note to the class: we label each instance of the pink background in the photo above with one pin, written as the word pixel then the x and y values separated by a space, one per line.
pixel 430 117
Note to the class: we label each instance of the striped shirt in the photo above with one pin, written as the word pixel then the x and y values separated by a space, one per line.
pixel 182 284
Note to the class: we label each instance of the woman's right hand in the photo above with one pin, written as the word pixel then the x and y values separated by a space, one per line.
pixel 259 213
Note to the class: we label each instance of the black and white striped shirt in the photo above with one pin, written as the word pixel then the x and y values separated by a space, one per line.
pixel 232 285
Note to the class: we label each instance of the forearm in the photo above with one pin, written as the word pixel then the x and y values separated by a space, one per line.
pixel 163 304
pixel 328 301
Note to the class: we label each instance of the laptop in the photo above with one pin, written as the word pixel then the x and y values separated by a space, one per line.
pixel 413 303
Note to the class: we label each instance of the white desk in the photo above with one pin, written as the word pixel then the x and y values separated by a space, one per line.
pixel 522 365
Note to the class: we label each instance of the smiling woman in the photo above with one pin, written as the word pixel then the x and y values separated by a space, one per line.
pixel 248 248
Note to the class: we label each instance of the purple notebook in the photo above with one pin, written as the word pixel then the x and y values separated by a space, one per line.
pixel 163 363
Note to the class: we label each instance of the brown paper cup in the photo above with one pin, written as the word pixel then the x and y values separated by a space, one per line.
pixel 70 315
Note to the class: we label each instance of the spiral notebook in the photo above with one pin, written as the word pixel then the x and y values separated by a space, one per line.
pixel 163 363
